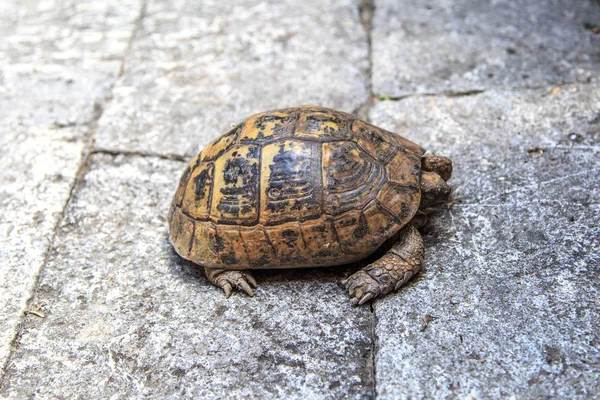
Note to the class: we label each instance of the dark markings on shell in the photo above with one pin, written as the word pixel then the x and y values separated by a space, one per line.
pixel 218 241
pixel 290 183
pixel 262 261
pixel 371 140
pixel 362 227
pixel 320 125
pixel 241 176
pixel 258 183
pixel 383 230
pixel 200 182
pixel 334 232
pixel 265 128
pixel 395 217
pixel 326 253
pixel 288 249
pixel 319 228
pixel 350 177
pixel 191 244
pixel 291 192
pixel 243 242
pixel 304 244
pixel 182 185
pixel 282 126
pixel 221 144
pixel 229 258
pixel 290 237
pixel 405 191
pixel 268 240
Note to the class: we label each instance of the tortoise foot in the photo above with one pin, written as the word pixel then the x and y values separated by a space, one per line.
pixel 228 279
pixel 390 272
pixel 362 287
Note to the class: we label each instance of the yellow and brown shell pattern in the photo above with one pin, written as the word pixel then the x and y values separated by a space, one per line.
pixel 297 187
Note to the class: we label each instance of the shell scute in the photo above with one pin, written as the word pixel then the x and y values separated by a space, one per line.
pixel 235 188
pixel 260 252
pixel 288 243
pixel 277 124
pixel 288 191
pixel 204 244
pixel 401 200
pixel 197 195
pixel 229 244
pixel 350 177
pixel 382 223
pixel 220 145
pixel 373 141
pixel 181 232
pixel 321 124
pixel 320 240
pixel 351 229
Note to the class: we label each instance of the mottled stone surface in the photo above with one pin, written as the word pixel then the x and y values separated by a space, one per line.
pixel 56 63
pixel 198 67
pixel 506 304
pixel 126 317
pixel 442 45
pixel 511 271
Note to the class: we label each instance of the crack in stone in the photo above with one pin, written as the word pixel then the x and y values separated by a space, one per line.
pixel 373 348
pixel 451 93
pixel 167 156
pixel 524 203
pixel 365 12
pixel 473 92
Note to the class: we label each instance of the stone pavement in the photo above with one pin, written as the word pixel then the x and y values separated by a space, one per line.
pixel 103 102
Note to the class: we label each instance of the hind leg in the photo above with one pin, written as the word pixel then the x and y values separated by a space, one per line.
pixel 391 271
pixel 228 279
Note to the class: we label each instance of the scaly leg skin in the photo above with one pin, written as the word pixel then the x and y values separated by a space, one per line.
pixel 228 279
pixel 390 272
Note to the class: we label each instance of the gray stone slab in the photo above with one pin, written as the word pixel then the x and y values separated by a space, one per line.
pixel 196 68
pixel 56 64
pixel 128 318
pixel 442 46
pixel 511 271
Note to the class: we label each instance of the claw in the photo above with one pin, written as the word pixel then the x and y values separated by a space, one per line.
pixel 251 279
pixel 227 288
pixel 242 284
pixel 366 298
pixel 345 281
pixel 354 301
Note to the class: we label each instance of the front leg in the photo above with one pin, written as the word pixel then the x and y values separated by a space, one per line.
pixel 391 271
pixel 228 279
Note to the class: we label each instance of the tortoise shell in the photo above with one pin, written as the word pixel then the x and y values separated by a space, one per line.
pixel 296 187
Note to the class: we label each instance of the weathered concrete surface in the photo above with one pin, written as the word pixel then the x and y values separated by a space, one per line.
pixel 56 63
pixel 511 272
pixel 441 45
pixel 196 68
pixel 512 267
pixel 127 318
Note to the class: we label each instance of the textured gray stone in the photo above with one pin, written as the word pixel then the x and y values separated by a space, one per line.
pixel 511 271
pixel 128 318
pixel 442 45
pixel 56 62
pixel 510 285
pixel 196 68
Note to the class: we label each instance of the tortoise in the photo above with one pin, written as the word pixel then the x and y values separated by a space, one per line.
pixel 304 187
